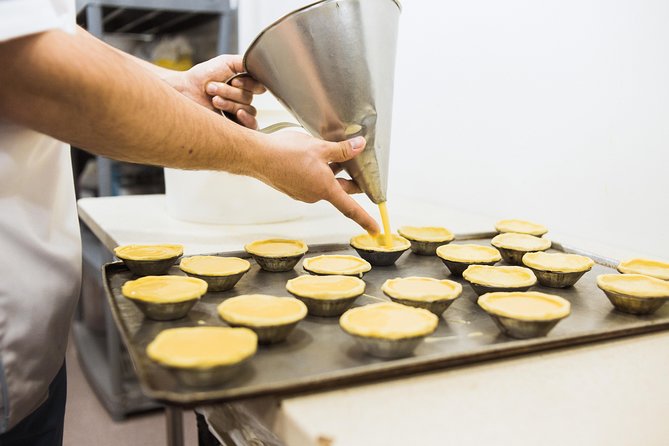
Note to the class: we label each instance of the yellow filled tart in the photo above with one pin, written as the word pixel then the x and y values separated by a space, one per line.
pixel 202 347
pixel 520 242
pixel 500 276
pixel 326 287
pixel 635 285
pixel 261 310
pixel 276 248
pixel 648 267
pixel 558 262
pixel 388 320
pixel 214 265
pixel 521 227
pixel 527 306
pixel 148 252
pixel 469 253
pixel 164 289
pixel 337 264
pixel 426 233
pixel 369 242
pixel 424 289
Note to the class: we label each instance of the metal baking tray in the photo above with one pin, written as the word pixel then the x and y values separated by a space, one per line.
pixel 318 355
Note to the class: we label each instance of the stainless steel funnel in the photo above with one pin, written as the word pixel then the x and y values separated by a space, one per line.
pixel 332 65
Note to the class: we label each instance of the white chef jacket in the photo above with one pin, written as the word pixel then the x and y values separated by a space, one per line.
pixel 39 238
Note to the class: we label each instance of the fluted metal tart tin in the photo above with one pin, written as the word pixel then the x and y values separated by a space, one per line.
pixel 635 305
pixel 150 267
pixel 165 311
pixel 220 283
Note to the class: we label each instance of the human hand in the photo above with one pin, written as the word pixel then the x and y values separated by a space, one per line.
pixel 304 168
pixel 205 84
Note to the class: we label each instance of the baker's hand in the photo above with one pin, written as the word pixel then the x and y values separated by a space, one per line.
pixel 205 84
pixel 304 168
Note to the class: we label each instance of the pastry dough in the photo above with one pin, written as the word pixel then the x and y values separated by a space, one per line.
pixel 214 265
pixel 527 306
pixel 261 310
pixel 202 347
pixel 388 320
pixel 635 285
pixel 148 252
pixel 426 233
pixel 520 242
pixel 375 243
pixel 326 287
pixel 276 248
pixel 469 253
pixel 336 264
pixel 648 267
pixel 164 289
pixel 558 262
pixel 423 289
pixel 521 227
pixel 500 276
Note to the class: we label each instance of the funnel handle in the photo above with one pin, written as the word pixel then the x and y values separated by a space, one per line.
pixel 270 128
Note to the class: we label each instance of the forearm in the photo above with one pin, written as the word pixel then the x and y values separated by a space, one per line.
pixel 82 92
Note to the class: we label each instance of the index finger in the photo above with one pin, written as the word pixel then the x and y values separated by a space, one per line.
pixel 248 84
pixel 350 208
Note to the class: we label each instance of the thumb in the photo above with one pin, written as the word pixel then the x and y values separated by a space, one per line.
pixel 339 152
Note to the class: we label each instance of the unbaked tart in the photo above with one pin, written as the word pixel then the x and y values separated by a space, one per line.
pixel 203 356
pixel 337 264
pixel 513 246
pixel 458 258
pixel 423 292
pixel 326 295
pixel 634 293
pixel 557 270
pixel 271 317
pixel 149 260
pixel 521 227
pixel 221 273
pixel 373 249
pixel 525 314
pixel 487 279
pixel 277 255
pixel 648 267
pixel 388 329
pixel 164 297
pixel 426 239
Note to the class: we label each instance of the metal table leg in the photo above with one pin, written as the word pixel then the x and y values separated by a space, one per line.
pixel 175 426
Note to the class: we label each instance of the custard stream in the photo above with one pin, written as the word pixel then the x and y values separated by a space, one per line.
pixel 387 237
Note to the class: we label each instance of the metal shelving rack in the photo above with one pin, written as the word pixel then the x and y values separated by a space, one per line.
pixel 101 354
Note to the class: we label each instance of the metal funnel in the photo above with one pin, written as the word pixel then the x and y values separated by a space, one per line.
pixel 332 65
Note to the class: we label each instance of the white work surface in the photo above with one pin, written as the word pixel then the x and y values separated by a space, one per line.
pixel 608 393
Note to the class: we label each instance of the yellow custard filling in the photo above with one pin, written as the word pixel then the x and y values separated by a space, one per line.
pixel 276 248
pixel 423 289
pixel 528 305
pixel 521 227
pixel 558 262
pixel 261 310
pixel 164 289
pixel 469 253
pixel 336 264
pixel 636 285
pixel 520 242
pixel 326 287
pixel 148 252
pixel 376 243
pixel 500 276
pixel 426 233
pixel 202 347
pixel 214 265
pixel 648 267
pixel 388 320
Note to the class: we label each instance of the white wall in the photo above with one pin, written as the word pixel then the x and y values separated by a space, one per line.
pixel 556 111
